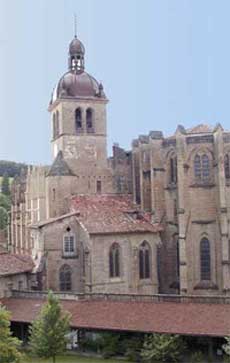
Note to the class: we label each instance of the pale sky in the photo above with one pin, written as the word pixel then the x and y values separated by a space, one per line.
pixel 162 63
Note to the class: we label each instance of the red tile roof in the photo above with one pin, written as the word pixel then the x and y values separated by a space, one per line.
pixel 11 264
pixel 112 214
pixel 162 317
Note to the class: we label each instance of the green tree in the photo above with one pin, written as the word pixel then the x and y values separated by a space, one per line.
pixel 3 218
pixel 162 348
pixel 48 332
pixel 5 202
pixel 5 185
pixel 8 345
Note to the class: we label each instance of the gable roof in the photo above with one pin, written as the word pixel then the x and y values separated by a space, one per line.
pixel 12 264
pixel 60 167
pixel 102 214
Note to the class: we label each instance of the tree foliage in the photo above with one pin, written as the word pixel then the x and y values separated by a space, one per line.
pixel 5 185
pixel 3 218
pixel 11 168
pixel 48 332
pixel 8 345
pixel 162 348
pixel 5 202
pixel 226 346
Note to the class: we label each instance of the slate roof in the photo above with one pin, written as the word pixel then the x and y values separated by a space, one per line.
pixel 60 167
pixel 162 317
pixel 102 214
pixel 12 264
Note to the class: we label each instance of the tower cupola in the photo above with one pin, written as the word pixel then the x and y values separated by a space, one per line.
pixel 76 56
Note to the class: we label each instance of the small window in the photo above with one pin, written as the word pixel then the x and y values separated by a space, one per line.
pixel 78 119
pixel 89 120
pixel 54 126
pixel 98 186
pixel 57 124
pixel 65 278
pixel 173 170
pixel 144 261
pixel 69 244
pixel 114 260
pixel 226 166
pixel 205 260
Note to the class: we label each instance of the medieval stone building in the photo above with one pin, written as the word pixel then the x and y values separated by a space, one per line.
pixel 154 219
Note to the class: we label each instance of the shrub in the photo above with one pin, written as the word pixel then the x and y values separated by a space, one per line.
pixel 162 348
pixel 197 357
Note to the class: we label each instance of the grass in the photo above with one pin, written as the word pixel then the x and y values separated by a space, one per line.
pixel 71 359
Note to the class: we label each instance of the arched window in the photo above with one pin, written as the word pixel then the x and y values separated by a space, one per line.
pixel 205 260
pixel 65 278
pixel 57 124
pixel 226 166
pixel 202 168
pixel 173 170
pixel 144 261
pixel 54 126
pixel 89 120
pixel 78 119
pixel 114 260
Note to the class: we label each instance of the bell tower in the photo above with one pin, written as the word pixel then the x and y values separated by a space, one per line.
pixel 78 122
pixel 78 114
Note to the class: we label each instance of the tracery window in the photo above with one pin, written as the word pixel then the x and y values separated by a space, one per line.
pixel 227 166
pixel 202 167
pixel 114 260
pixel 205 260
pixel 144 260
pixel 78 119
pixel 89 120
pixel 173 170
pixel 65 278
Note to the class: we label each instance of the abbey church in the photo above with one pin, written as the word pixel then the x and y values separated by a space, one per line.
pixel 152 220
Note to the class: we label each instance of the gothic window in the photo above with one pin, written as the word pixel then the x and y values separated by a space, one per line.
pixel 227 166
pixel 98 186
pixel 57 124
pixel 205 260
pixel 89 120
pixel 114 260
pixel 144 261
pixel 68 243
pixel 65 278
pixel 202 168
pixel 54 126
pixel 78 119
pixel 173 170
pixel 177 259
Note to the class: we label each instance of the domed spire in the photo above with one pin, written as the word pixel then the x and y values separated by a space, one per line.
pixel 76 52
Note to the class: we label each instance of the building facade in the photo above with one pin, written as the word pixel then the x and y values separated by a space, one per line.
pixel 165 202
